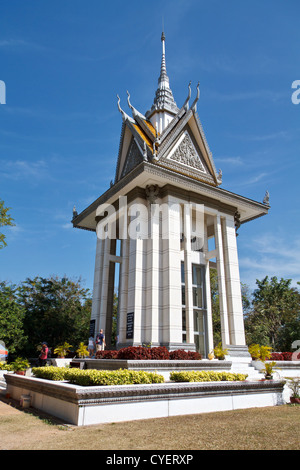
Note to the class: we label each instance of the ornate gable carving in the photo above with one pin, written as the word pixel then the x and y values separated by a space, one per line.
pixel 133 158
pixel 186 154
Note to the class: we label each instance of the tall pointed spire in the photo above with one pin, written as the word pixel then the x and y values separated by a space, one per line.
pixel 163 69
pixel 163 101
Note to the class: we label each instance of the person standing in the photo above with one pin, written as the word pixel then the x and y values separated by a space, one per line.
pixel 100 341
pixel 43 355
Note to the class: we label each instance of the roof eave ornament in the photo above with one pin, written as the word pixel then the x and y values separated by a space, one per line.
pixel 266 199
pixel 194 105
pixel 125 116
pixel 135 112
pixel 186 103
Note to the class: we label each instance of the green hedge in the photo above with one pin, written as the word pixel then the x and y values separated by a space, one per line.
pixel 50 372
pixel 91 377
pixel 205 376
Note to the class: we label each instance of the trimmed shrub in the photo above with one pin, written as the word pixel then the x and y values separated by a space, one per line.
pixel 115 377
pixel 134 352
pixel 180 354
pixel 107 354
pixel 160 352
pixel 50 372
pixel 5 366
pixel 92 377
pixel 283 356
pixel 143 353
pixel 205 376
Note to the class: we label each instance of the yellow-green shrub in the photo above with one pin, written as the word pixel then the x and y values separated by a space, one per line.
pixel 113 377
pixel 205 376
pixel 50 372
pixel 97 377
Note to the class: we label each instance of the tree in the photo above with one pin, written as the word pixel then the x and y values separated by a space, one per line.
pixel 275 308
pixel 5 220
pixel 11 318
pixel 56 311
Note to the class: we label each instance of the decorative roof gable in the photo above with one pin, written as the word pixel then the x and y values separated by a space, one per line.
pixel 167 136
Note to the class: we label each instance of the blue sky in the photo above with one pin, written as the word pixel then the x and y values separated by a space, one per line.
pixel 63 62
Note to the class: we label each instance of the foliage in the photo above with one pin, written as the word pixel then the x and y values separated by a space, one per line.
pixel 19 364
pixel 271 312
pixel 283 356
pixel 289 333
pixel 5 220
pixel 11 318
pixel 107 354
pixel 145 353
pixel 115 377
pixel 274 313
pixel 260 353
pixel 269 367
pixel 134 352
pixel 5 366
pixel 63 349
pixel 157 353
pixel 205 376
pixel 49 372
pixel 294 386
pixel 219 352
pixel 56 311
pixel 82 350
pixel 92 377
pixel 180 354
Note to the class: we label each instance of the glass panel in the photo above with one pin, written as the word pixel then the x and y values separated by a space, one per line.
pixel 197 275
pixel 183 295
pixel 183 320
pixel 199 331
pixel 197 297
pixel 182 273
pixel 196 322
pixel 201 344
pixel 196 340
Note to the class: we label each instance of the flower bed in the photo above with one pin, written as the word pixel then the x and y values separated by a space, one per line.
pixel 283 356
pixel 142 353
pixel 92 377
pixel 206 376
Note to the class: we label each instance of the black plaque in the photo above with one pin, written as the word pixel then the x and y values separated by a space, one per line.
pixel 92 328
pixel 129 325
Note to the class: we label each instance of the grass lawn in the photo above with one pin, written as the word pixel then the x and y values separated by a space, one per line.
pixel 270 428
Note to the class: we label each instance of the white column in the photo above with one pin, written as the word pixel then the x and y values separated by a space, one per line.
pixel 97 284
pixel 221 281
pixel 124 266
pixel 138 232
pixel 152 277
pixel 210 340
pixel 171 274
pixel 189 311
pixel 233 284
pixel 104 284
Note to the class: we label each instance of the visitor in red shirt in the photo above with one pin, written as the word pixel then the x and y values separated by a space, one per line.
pixel 44 354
